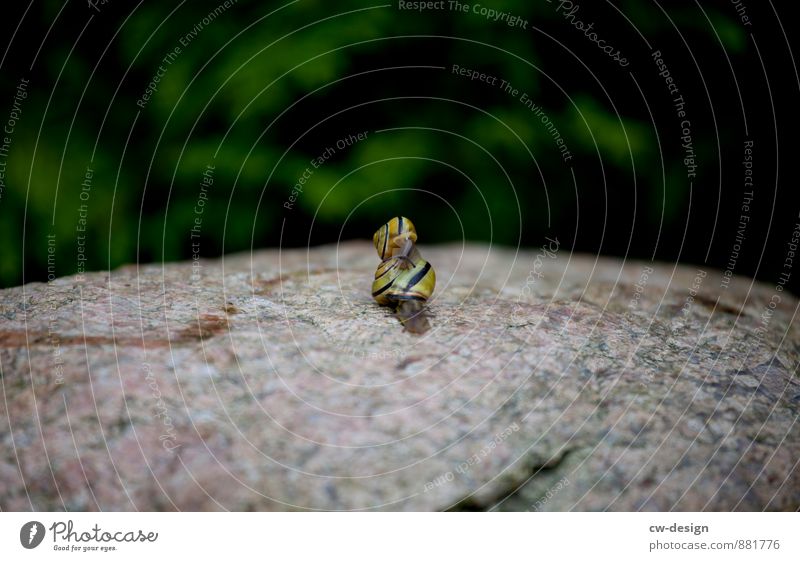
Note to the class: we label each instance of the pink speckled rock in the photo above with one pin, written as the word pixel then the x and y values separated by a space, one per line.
pixel 272 381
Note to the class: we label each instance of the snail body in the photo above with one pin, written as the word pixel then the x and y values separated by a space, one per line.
pixel 403 280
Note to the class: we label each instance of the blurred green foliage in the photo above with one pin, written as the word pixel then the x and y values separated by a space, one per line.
pixel 265 87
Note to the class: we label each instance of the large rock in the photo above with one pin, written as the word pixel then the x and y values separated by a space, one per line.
pixel 272 381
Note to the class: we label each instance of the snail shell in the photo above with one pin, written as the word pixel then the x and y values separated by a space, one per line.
pixel 403 280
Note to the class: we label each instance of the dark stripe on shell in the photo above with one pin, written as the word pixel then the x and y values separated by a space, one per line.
pixel 389 268
pixel 385 239
pixel 408 297
pixel 384 288
pixel 418 277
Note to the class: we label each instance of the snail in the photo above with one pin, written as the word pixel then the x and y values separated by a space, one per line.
pixel 403 280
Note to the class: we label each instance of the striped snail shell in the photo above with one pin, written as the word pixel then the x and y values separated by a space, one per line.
pixel 403 280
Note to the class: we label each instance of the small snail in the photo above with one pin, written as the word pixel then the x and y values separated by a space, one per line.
pixel 403 280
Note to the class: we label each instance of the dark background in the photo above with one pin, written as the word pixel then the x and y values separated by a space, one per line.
pixel 465 159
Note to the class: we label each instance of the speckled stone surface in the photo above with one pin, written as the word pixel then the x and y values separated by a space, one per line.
pixel 549 381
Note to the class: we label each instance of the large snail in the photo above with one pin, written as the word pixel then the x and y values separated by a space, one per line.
pixel 403 280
